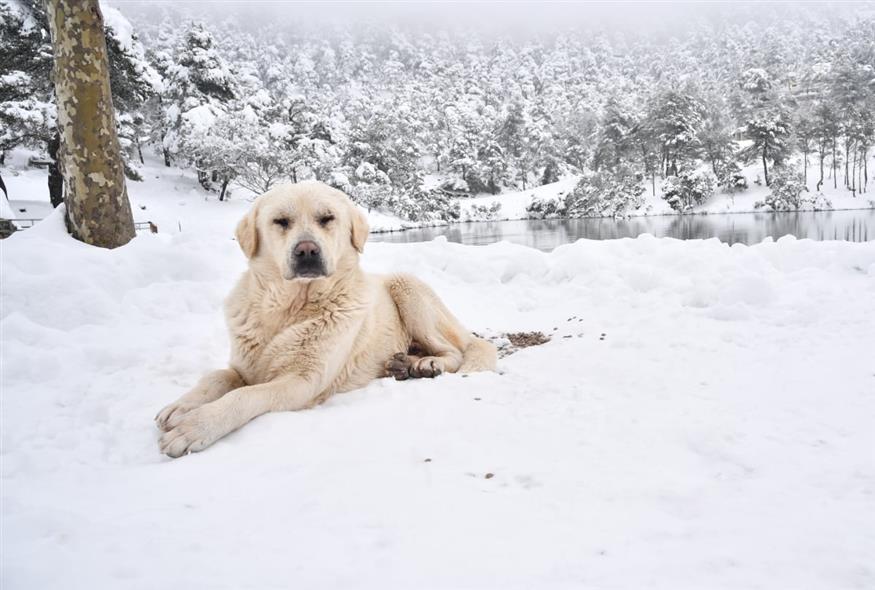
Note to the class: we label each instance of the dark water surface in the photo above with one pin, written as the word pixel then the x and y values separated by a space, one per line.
pixel 746 228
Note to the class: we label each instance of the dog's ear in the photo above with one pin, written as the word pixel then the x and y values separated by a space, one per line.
pixel 359 229
pixel 247 232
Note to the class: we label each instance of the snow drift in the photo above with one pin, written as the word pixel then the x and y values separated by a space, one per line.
pixel 701 418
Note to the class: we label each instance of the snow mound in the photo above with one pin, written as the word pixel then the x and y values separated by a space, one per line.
pixel 700 418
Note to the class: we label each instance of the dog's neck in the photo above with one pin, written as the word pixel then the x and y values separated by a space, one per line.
pixel 276 293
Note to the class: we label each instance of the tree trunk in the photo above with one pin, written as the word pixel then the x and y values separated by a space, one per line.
pixel 822 158
pixel 56 179
pixel 866 173
pixel 805 168
pixel 765 166
pixel 98 210
pixel 225 182
pixel 164 151
pixel 140 150
pixel 847 159
pixel 835 181
pixel 854 174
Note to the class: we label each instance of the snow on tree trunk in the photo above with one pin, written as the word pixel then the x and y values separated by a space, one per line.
pixel 98 210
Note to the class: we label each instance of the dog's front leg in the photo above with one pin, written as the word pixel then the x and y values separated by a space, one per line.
pixel 202 426
pixel 211 387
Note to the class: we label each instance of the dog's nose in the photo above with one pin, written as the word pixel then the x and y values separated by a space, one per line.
pixel 306 249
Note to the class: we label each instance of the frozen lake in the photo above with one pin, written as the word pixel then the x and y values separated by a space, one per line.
pixel 746 228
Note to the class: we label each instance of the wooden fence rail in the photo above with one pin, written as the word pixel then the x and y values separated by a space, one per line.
pixel 10 226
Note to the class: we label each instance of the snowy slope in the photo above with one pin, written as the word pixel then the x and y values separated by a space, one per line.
pixel 719 435
pixel 169 197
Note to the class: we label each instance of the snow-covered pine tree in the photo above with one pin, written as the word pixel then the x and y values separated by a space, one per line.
pixel 198 87
pixel 27 111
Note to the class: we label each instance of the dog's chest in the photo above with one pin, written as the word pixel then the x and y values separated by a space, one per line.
pixel 255 330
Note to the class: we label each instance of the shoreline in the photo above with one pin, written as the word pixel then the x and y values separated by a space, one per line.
pixel 638 216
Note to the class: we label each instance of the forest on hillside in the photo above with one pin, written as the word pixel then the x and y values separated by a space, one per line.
pixel 408 121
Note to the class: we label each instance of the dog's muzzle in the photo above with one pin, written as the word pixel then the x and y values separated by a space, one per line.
pixel 307 260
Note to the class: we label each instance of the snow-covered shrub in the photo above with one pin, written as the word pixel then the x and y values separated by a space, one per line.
pixel 821 203
pixel 455 185
pixel 789 193
pixel 418 204
pixel 735 183
pixel 605 194
pixel 729 177
pixel 546 208
pixel 371 188
pixel 438 205
pixel 340 181
pixel 479 181
pixel 688 189
pixel 483 212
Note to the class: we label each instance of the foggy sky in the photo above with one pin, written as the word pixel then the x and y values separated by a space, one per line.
pixel 500 17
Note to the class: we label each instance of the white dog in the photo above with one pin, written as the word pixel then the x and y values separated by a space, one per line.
pixel 307 322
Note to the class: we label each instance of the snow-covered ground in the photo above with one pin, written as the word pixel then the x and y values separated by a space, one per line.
pixel 702 418
pixel 171 198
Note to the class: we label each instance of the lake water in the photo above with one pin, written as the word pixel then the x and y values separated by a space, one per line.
pixel 746 228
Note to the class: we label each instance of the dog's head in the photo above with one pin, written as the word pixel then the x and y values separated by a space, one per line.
pixel 304 231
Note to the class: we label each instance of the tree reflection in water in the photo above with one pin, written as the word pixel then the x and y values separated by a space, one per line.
pixel 744 228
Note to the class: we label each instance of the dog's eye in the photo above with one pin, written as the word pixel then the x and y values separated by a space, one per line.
pixel 325 220
pixel 283 222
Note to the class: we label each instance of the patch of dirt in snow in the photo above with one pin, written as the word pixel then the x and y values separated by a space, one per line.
pixel 511 342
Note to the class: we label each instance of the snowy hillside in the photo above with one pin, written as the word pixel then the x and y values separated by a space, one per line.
pixel 171 198
pixel 701 418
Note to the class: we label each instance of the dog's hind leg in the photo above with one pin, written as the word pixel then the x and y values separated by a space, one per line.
pixel 445 345
pixel 479 355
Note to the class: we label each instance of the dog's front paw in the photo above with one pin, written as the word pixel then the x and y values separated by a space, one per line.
pixel 173 411
pixel 189 433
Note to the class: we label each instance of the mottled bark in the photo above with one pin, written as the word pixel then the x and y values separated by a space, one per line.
pixel 98 210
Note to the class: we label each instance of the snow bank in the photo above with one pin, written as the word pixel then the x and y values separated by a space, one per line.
pixel 702 418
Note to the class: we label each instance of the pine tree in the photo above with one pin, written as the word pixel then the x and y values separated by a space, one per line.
pixel 770 132
pixel 676 118
pixel 198 87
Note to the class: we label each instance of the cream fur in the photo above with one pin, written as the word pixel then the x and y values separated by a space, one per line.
pixel 297 341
